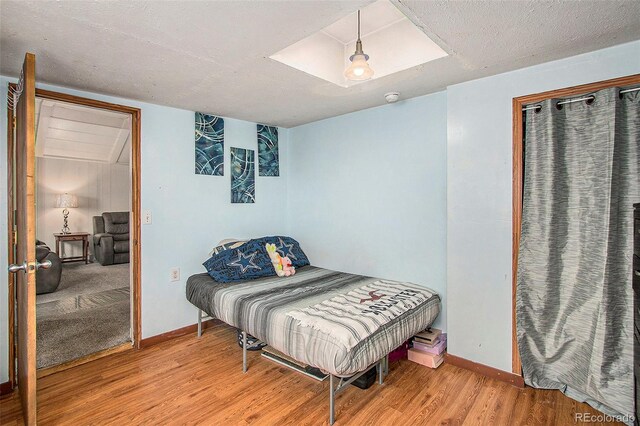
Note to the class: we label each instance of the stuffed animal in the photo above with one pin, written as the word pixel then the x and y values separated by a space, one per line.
pixel 287 267
pixel 282 265
pixel 275 259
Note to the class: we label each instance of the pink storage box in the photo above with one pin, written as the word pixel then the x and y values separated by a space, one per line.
pixel 437 349
pixel 429 360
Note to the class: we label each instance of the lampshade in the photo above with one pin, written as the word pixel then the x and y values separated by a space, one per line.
pixel 359 68
pixel 65 201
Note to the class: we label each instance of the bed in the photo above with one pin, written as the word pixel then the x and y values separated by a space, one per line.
pixel 338 322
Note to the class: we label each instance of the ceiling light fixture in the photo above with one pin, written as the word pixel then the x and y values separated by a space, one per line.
pixel 359 69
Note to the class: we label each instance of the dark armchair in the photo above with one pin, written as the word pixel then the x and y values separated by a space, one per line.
pixel 111 238
pixel 47 280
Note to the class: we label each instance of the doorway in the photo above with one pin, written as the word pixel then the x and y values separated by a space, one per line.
pixel 82 177
pixel 518 178
pixel 87 172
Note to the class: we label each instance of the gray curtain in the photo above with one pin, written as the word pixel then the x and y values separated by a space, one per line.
pixel 574 298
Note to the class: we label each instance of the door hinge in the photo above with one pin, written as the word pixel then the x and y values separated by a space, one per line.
pixel 14 121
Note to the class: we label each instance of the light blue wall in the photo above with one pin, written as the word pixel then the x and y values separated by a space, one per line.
pixel 367 192
pixel 190 212
pixel 479 176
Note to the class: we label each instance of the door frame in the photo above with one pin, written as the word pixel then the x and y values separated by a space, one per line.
pixel 518 170
pixel 136 275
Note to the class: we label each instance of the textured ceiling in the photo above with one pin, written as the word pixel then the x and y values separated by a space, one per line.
pixel 214 56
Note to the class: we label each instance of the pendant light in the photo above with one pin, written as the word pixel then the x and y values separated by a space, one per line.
pixel 359 69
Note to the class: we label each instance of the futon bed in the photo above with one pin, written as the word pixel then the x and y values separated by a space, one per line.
pixel 341 323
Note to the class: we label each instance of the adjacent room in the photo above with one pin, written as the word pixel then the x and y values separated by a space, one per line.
pixel 311 212
pixel 83 187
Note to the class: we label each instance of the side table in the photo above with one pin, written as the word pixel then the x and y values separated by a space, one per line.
pixel 74 236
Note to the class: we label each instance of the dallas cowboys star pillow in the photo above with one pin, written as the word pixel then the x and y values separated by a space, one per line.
pixel 287 247
pixel 246 262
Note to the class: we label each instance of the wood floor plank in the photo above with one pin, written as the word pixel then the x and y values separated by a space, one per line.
pixel 199 381
pixel 487 406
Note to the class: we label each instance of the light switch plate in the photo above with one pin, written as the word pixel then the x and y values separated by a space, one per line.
pixel 146 217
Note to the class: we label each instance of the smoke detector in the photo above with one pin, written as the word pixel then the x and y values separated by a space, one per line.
pixel 392 97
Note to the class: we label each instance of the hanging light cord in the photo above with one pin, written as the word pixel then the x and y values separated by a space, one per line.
pixel 358 24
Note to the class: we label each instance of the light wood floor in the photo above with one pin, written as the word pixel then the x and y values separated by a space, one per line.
pixel 200 381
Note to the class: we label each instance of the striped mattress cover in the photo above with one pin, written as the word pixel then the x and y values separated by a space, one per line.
pixel 274 309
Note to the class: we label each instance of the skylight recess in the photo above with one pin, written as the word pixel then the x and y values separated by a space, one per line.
pixel 391 40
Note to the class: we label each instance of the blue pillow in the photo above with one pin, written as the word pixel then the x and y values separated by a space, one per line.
pixel 287 247
pixel 246 262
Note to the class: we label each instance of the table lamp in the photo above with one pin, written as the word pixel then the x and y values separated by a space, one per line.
pixel 66 201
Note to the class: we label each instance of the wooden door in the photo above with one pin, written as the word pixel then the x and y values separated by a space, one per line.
pixel 26 266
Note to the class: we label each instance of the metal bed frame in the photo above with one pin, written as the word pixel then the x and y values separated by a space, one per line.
pixel 382 368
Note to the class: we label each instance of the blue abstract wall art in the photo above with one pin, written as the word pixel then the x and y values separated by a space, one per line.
pixel 268 158
pixel 209 145
pixel 243 178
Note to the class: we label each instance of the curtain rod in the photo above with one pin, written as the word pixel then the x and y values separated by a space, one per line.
pixel 569 101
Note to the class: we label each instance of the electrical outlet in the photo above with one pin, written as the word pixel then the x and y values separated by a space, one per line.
pixel 146 217
pixel 174 274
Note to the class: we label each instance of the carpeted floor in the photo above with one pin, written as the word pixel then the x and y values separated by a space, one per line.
pixel 89 312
